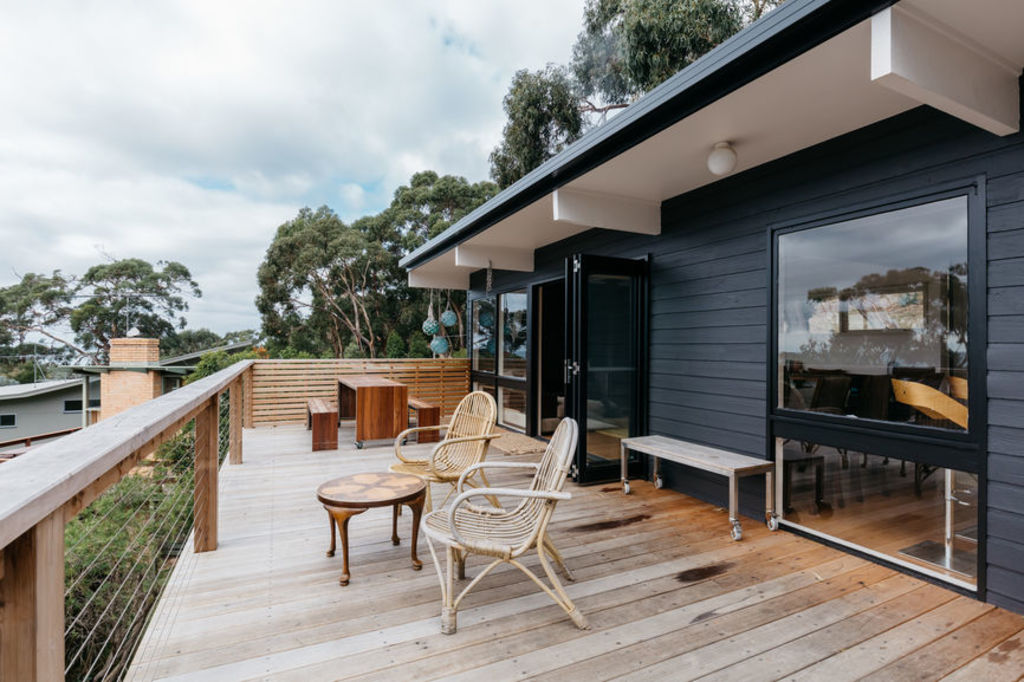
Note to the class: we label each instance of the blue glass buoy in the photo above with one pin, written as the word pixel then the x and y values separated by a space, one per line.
pixel 439 345
pixel 430 326
pixel 486 319
pixel 449 318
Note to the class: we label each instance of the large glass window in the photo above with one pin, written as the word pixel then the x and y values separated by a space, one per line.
pixel 484 341
pixel 513 341
pixel 919 515
pixel 872 317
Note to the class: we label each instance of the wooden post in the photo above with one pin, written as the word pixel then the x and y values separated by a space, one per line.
pixel 235 423
pixel 32 603
pixel 247 396
pixel 204 537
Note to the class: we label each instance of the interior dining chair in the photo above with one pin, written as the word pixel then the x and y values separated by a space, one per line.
pixel 505 535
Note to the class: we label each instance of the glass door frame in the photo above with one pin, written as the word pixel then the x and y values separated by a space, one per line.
pixel 577 269
pixel 964 451
pixel 494 380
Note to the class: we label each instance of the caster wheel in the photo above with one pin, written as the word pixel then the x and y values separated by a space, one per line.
pixel 658 483
pixel 359 445
pixel 736 532
pixel 773 522
pixel 625 487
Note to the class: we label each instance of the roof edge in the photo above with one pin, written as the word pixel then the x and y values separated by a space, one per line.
pixel 785 33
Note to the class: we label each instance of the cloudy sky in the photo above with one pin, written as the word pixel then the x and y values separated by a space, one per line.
pixel 190 130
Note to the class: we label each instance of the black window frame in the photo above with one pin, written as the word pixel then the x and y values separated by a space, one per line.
pixel 493 379
pixel 12 425
pixel 961 450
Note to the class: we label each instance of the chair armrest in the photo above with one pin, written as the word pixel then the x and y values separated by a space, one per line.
pixel 447 442
pixel 405 434
pixel 493 465
pixel 506 492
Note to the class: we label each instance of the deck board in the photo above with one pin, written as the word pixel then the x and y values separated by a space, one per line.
pixel 666 591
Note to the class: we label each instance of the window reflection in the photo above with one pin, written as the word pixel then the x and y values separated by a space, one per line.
pixel 513 346
pixel 483 335
pixel 872 318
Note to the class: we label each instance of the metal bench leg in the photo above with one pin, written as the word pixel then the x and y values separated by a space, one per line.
pixel 771 516
pixel 624 457
pixel 734 504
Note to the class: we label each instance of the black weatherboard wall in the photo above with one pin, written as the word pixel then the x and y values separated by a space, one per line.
pixel 708 356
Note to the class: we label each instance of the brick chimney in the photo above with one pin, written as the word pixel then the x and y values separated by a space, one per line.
pixel 129 381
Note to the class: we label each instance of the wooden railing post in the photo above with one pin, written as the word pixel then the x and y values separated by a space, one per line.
pixel 204 538
pixel 235 423
pixel 247 396
pixel 32 603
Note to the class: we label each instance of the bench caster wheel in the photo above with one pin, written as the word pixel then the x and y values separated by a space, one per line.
pixel 773 522
pixel 359 445
pixel 736 532
pixel 625 487
pixel 658 483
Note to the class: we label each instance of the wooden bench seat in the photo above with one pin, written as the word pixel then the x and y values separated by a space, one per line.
pixel 732 465
pixel 322 418
pixel 427 414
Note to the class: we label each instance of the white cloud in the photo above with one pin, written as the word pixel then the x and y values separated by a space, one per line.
pixel 189 130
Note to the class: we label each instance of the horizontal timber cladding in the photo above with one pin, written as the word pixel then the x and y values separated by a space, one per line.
pixel 280 388
pixel 710 297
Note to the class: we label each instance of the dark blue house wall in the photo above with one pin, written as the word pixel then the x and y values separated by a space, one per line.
pixel 710 293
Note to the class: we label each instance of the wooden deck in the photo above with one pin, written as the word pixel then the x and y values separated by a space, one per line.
pixel 667 593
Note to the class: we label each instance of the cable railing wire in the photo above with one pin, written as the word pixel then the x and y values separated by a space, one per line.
pixel 120 551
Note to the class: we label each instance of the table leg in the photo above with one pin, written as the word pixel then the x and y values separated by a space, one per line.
pixel 341 517
pixel 395 510
pixel 417 511
pixel 330 519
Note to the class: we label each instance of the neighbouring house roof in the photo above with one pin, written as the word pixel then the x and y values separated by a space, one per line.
pixel 18 391
pixel 805 73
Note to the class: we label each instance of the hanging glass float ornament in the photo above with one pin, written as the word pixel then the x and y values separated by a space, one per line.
pixel 439 345
pixel 486 318
pixel 448 317
pixel 430 325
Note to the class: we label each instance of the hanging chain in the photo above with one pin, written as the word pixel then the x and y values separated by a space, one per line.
pixel 490 277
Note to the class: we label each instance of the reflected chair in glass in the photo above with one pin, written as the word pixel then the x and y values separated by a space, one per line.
pixel 506 534
pixel 467 438
pixel 930 402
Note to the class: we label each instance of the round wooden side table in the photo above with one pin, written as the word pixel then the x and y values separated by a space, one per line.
pixel 347 496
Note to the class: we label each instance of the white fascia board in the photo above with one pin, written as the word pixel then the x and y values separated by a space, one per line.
pixel 449 279
pixel 608 211
pixel 927 61
pixel 498 257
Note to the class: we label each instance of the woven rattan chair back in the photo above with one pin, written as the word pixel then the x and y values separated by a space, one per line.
pixel 474 416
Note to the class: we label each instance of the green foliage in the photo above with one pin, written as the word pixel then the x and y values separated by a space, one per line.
pixel 131 293
pixel 114 297
pixel 326 286
pixel 213 362
pixel 419 347
pixel 188 341
pixel 543 117
pixel 352 350
pixel 662 37
pixel 626 48
pixel 395 347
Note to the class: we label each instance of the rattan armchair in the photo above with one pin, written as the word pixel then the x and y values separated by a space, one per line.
pixel 505 534
pixel 467 437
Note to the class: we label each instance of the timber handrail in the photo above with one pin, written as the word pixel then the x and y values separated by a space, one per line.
pixel 43 480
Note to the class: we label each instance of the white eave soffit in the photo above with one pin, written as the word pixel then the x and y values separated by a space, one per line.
pixel 917 56
pixel 611 212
